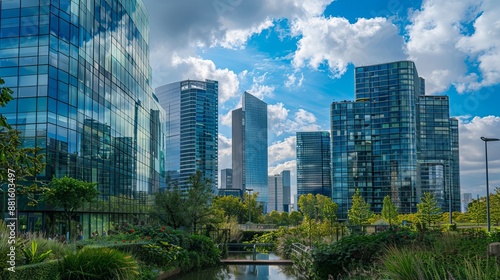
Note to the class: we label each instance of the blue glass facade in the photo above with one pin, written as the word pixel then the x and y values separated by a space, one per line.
pixel 313 163
pixel 249 139
pixel 393 140
pixel 191 129
pixel 81 79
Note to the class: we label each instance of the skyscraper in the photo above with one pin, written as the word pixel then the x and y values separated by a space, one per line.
pixel 226 178
pixel 393 140
pixel 81 80
pixel 313 163
pixel 249 137
pixel 279 192
pixel 192 130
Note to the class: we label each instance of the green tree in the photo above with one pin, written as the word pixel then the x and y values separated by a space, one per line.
pixel 389 211
pixel 428 211
pixel 70 194
pixel 253 209
pixel 476 210
pixel 495 207
pixel 231 206
pixel 295 218
pixel 168 206
pixel 360 212
pixel 25 162
pixel 198 201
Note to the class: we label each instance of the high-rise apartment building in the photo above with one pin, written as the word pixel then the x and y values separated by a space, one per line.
pixel 249 140
pixel 393 140
pixel 313 163
pixel 279 192
pixel 192 130
pixel 81 80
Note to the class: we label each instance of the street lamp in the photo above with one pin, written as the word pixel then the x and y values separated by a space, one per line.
pixel 249 213
pixel 486 140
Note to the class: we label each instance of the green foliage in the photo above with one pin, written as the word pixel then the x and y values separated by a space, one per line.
pixel 70 194
pixel 205 247
pixel 449 257
pixel 162 253
pixel 98 263
pixel 231 207
pixel 356 251
pixel 389 211
pixel 253 209
pixel 476 211
pixel 428 211
pixel 39 271
pixel 32 255
pixel 360 212
pixel 176 209
pixel 295 218
pixel 5 97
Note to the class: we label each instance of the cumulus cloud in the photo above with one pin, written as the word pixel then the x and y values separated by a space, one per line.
pixel 293 81
pixel 279 121
pixel 338 43
pixel 288 165
pixel 442 43
pixel 197 68
pixel 472 156
pixel 281 151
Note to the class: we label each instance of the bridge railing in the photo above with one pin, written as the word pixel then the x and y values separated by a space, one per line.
pixel 248 248
pixel 302 260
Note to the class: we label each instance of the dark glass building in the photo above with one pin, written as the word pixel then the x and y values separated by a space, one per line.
pixel 81 80
pixel 393 140
pixel 249 146
pixel 192 130
pixel 313 163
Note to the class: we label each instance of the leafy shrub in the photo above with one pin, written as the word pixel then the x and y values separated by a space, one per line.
pixel 205 247
pixel 161 253
pixel 33 255
pixel 356 250
pixel 98 263
pixel 39 271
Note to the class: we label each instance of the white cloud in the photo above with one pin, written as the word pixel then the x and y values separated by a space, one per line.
pixel 279 121
pixel 292 80
pixel 443 43
pixel 288 165
pixel 338 43
pixel 197 68
pixel 281 151
pixel 225 153
pixel 472 156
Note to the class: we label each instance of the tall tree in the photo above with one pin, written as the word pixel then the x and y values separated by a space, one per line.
pixel 428 211
pixel 295 218
pixel 389 211
pixel 199 198
pixel 476 211
pixel 231 206
pixel 253 209
pixel 169 206
pixel 360 212
pixel 70 194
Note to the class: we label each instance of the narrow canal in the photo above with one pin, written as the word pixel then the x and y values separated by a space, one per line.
pixel 244 272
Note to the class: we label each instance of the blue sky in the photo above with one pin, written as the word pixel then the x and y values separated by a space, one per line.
pixel 299 56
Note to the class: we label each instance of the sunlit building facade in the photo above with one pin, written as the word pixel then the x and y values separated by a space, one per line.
pixel 249 147
pixel 81 79
pixel 191 129
pixel 393 140
pixel 313 163
pixel 279 192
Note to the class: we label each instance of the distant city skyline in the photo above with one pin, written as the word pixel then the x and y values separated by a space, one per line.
pixel 299 56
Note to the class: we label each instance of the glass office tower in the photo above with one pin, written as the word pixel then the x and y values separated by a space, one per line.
pixel 313 163
pixel 81 79
pixel 392 140
pixel 249 139
pixel 192 130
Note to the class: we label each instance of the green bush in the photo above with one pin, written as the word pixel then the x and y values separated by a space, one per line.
pixel 39 271
pixel 161 253
pixel 33 255
pixel 205 247
pixel 356 250
pixel 98 263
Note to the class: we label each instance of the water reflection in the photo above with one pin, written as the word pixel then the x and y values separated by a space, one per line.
pixel 244 272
